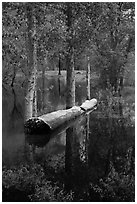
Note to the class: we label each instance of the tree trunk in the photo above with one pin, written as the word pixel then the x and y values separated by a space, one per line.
pixel 35 71
pixel 70 98
pixel 43 92
pixel 88 80
pixel 29 39
pixel 59 66
pixel 87 137
pixel 43 89
pixel 32 61
pixel 72 150
pixel 59 87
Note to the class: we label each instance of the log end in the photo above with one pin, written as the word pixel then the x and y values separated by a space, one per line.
pixel 89 104
pixel 35 126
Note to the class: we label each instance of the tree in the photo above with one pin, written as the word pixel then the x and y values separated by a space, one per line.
pixel 59 73
pixel 31 101
pixel 72 155
pixel 113 36
pixel 88 80
pixel 13 46
pixel 70 98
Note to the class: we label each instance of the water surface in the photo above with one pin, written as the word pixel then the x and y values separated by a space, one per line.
pixel 110 136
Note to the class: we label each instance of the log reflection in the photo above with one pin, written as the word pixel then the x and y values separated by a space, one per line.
pixel 76 158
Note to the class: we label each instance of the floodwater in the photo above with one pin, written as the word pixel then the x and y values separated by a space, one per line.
pixel 109 135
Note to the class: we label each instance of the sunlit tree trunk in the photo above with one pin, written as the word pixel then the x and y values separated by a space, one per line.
pixel 43 88
pixel 32 61
pixel 35 70
pixel 88 80
pixel 87 116
pixel 29 39
pixel 70 98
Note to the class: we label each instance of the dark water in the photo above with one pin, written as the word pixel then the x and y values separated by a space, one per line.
pixel 108 137
pixel 16 149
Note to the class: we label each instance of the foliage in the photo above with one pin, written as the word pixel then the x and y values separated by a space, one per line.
pixel 114 40
pixel 118 186
pixel 102 31
pixel 23 178
pixel 43 184
pixel 50 193
pixel 34 182
pixel 13 36
pixel 50 34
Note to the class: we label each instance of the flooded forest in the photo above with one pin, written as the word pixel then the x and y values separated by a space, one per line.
pixel 68 101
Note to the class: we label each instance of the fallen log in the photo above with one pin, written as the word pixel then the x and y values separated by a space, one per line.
pixel 48 122
pixel 40 140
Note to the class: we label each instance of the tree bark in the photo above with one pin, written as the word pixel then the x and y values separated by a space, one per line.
pixel 35 70
pixel 87 137
pixel 88 80
pixel 43 91
pixel 29 40
pixel 51 121
pixel 32 61
pixel 70 98
pixel 59 65
pixel 59 87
